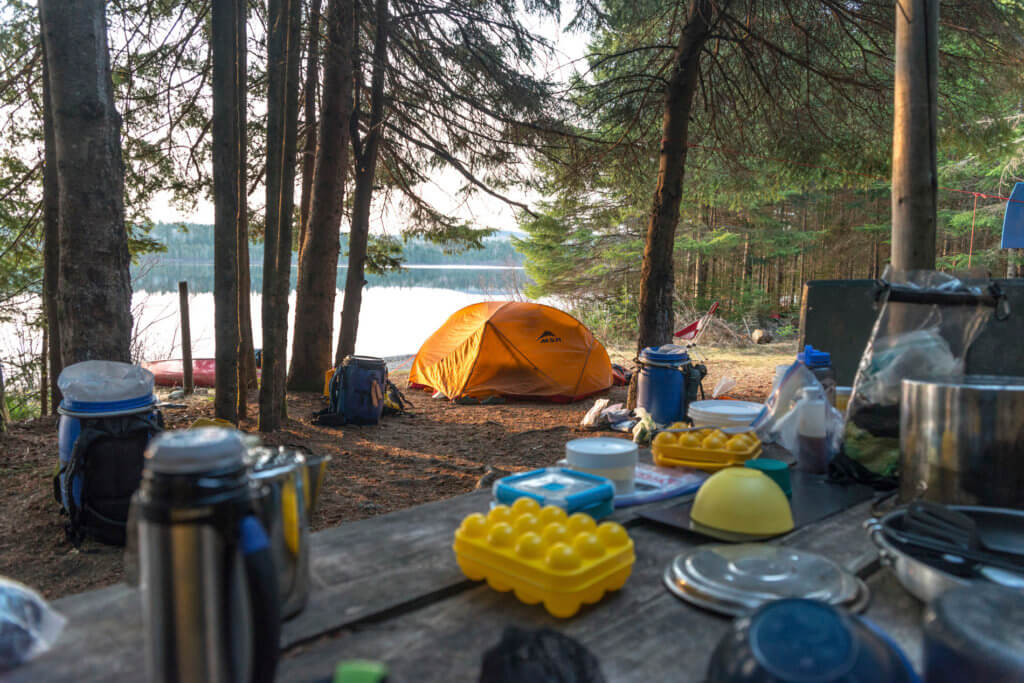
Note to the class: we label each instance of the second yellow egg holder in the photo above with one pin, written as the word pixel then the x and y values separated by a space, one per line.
pixel 705 448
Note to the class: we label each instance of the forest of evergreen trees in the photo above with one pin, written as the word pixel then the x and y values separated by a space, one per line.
pixel 193 242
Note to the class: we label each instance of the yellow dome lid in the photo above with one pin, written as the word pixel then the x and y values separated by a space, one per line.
pixel 744 501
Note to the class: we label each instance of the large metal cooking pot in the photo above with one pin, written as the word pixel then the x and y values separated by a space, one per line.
pixel 962 440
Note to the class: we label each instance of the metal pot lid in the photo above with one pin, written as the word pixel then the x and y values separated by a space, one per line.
pixel 758 572
pixel 690 593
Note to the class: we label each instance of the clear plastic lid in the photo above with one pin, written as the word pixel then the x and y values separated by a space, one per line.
pixel 563 488
pixel 104 381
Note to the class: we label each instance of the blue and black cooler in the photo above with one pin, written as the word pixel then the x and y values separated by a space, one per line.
pixel 668 382
pixel 108 416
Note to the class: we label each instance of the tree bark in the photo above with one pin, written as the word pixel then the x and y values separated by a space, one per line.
pixel 51 243
pixel 656 316
pixel 44 377
pixel 309 120
pixel 366 168
pixel 746 260
pixel 224 43
pixel 282 124
pixel 313 336
pixel 5 416
pixel 246 350
pixel 1014 269
pixel 914 170
pixel 94 285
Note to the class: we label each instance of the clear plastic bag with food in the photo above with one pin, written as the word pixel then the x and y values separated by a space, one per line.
pixel 927 323
pixel 28 626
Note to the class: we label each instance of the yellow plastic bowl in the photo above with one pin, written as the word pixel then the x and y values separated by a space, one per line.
pixel 743 501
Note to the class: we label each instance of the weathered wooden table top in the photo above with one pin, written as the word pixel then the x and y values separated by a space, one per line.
pixel 389 589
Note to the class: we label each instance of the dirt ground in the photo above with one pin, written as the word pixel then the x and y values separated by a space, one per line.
pixel 436 451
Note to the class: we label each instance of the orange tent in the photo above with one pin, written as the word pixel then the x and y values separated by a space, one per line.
pixel 514 349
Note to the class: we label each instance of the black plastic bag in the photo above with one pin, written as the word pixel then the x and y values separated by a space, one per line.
pixel 532 656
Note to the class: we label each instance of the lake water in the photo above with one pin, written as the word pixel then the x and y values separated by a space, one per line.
pixel 399 310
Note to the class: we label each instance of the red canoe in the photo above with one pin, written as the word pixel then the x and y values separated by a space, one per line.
pixel 170 373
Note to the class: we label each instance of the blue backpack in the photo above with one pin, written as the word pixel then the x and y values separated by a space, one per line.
pixel 356 392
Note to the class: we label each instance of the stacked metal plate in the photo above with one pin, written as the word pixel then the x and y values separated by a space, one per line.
pixel 735 579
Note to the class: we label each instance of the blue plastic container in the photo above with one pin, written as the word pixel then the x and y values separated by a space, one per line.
pixel 661 387
pixel 568 489
pixel 96 389
pixel 798 641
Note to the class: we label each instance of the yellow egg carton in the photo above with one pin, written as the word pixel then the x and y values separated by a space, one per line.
pixel 544 555
pixel 704 449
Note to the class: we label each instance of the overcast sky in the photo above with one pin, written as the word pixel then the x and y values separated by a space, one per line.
pixel 482 210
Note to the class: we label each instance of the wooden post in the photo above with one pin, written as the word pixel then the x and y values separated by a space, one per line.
pixel 186 338
pixel 914 170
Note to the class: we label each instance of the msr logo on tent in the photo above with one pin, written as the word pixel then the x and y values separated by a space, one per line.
pixel 548 337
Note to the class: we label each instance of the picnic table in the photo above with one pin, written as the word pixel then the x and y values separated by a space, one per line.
pixel 388 589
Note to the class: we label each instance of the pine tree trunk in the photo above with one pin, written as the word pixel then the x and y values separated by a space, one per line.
pixel 313 338
pixel 94 289
pixel 366 169
pixel 1014 268
pixel 746 260
pixel 51 242
pixel 282 124
pixel 309 120
pixel 656 316
pixel 246 346
pixel 5 416
pixel 224 44
pixel 44 378
pixel 914 169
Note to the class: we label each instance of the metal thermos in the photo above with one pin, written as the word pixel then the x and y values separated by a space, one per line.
pixel 210 602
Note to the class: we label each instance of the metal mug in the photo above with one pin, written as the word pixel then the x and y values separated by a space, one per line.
pixel 277 476
pixel 962 440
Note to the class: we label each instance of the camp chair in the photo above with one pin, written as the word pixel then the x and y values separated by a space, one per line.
pixel 695 330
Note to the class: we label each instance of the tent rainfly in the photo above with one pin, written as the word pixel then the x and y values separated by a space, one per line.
pixel 513 349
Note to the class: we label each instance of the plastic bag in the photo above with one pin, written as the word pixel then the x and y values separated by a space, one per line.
pixel 591 419
pixel 644 429
pixel 723 386
pixel 28 626
pixel 797 417
pixel 525 656
pixel 924 330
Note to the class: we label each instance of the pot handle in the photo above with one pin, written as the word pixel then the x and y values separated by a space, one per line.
pixel 874 529
pixel 263 597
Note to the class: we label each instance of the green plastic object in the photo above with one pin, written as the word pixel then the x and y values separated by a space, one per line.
pixel 777 470
pixel 360 671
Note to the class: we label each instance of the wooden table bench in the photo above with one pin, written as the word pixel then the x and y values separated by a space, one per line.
pixel 388 589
